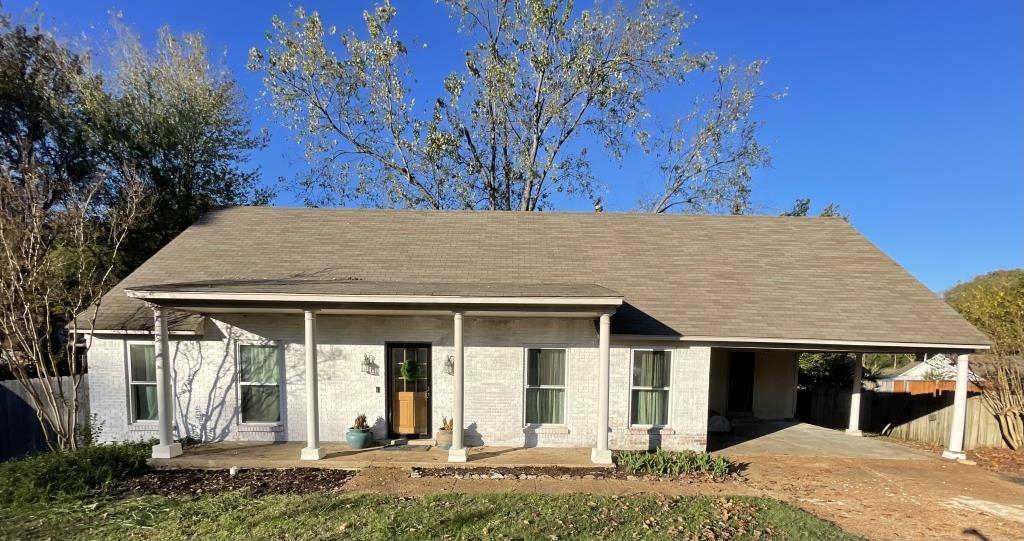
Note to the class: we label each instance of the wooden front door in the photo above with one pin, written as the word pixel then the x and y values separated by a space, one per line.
pixel 741 381
pixel 408 390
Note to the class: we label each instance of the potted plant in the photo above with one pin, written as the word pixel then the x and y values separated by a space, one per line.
pixel 444 435
pixel 359 435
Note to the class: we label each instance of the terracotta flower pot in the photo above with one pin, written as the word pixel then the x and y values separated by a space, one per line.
pixel 443 439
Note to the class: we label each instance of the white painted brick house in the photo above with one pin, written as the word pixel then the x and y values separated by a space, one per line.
pixel 609 331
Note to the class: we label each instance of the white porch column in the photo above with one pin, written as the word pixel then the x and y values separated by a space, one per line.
pixel 858 370
pixel 600 454
pixel 167 448
pixel 955 449
pixel 457 452
pixel 312 451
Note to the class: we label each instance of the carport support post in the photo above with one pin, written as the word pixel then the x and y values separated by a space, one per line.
pixel 457 452
pixel 600 454
pixel 312 451
pixel 167 448
pixel 858 370
pixel 955 449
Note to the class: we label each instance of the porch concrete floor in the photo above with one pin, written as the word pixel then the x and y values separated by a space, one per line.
pixel 781 438
pixel 340 456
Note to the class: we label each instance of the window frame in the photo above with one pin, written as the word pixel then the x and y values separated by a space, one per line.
pixel 130 383
pixel 280 382
pixel 564 387
pixel 667 389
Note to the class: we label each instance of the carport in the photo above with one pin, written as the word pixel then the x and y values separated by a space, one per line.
pixel 797 439
pixel 755 386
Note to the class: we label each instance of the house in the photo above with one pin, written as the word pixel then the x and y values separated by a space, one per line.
pixel 597 330
pixel 933 374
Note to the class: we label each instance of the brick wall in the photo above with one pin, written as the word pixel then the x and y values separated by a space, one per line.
pixel 205 390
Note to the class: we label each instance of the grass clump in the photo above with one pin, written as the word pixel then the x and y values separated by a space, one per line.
pixel 662 462
pixel 70 474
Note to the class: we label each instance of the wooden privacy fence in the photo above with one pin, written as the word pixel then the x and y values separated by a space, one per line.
pixel 918 417
pixel 928 418
pixel 925 386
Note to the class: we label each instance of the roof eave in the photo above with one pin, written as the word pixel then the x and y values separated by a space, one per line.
pixel 168 297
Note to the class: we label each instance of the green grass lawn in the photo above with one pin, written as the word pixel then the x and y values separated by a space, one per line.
pixel 235 515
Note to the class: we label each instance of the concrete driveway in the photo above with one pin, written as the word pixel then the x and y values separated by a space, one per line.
pixel 780 438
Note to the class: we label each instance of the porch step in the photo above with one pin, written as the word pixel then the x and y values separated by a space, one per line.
pixel 406 441
pixel 423 442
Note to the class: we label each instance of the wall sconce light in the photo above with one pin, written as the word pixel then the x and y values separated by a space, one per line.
pixel 449 365
pixel 370 365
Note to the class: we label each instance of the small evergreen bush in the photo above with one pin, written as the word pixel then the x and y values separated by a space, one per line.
pixel 71 474
pixel 662 462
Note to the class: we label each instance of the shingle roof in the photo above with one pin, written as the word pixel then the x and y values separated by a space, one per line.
pixel 714 276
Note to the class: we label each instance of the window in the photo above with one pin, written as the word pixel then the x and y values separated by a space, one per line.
pixel 142 382
pixel 545 386
pixel 649 400
pixel 260 383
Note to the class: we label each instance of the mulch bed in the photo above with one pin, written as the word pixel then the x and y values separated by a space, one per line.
pixel 554 472
pixel 259 482
pixel 997 459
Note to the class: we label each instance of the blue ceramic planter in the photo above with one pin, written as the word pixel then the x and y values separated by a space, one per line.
pixel 358 439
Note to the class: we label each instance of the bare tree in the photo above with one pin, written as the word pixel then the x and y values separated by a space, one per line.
pixel 545 86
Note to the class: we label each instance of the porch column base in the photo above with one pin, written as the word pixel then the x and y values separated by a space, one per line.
pixel 457 455
pixel 167 451
pixel 312 453
pixel 852 432
pixel 601 456
pixel 954 455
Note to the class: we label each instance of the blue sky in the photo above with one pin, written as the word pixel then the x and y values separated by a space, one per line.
pixel 910 115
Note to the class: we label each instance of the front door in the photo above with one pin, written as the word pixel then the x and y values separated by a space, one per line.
pixel 741 381
pixel 408 390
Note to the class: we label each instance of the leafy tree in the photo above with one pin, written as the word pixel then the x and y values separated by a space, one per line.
pixel 180 123
pixel 802 207
pixel 510 129
pixel 994 303
pixel 96 174
pixel 825 370
pixel 63 219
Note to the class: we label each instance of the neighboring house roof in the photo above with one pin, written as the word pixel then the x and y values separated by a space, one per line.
pixel 934 367
pixel 742 277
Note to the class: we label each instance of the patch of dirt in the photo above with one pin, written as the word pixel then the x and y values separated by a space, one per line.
pixel 999 459
pixel 554 472
pixel 996 459
pixel 259 482
pixel 895 499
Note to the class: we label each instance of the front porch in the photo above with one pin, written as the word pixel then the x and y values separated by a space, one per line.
pixel 339 455
pixel 269 317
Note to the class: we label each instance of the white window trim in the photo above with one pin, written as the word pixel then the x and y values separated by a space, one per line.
pixel 132 421
pixel 565 388
pixel 630 388
pixel 280 384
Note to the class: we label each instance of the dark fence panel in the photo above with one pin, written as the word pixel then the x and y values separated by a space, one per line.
pixel 20 432
pixel 918 417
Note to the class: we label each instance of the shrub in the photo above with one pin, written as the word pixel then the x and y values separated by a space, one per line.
pixel 70 474
pixel 662 462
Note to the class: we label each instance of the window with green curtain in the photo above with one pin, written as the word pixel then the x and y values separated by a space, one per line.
pixel 545 386
pixel 260 383
pixel 142 381
pixel 650 387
